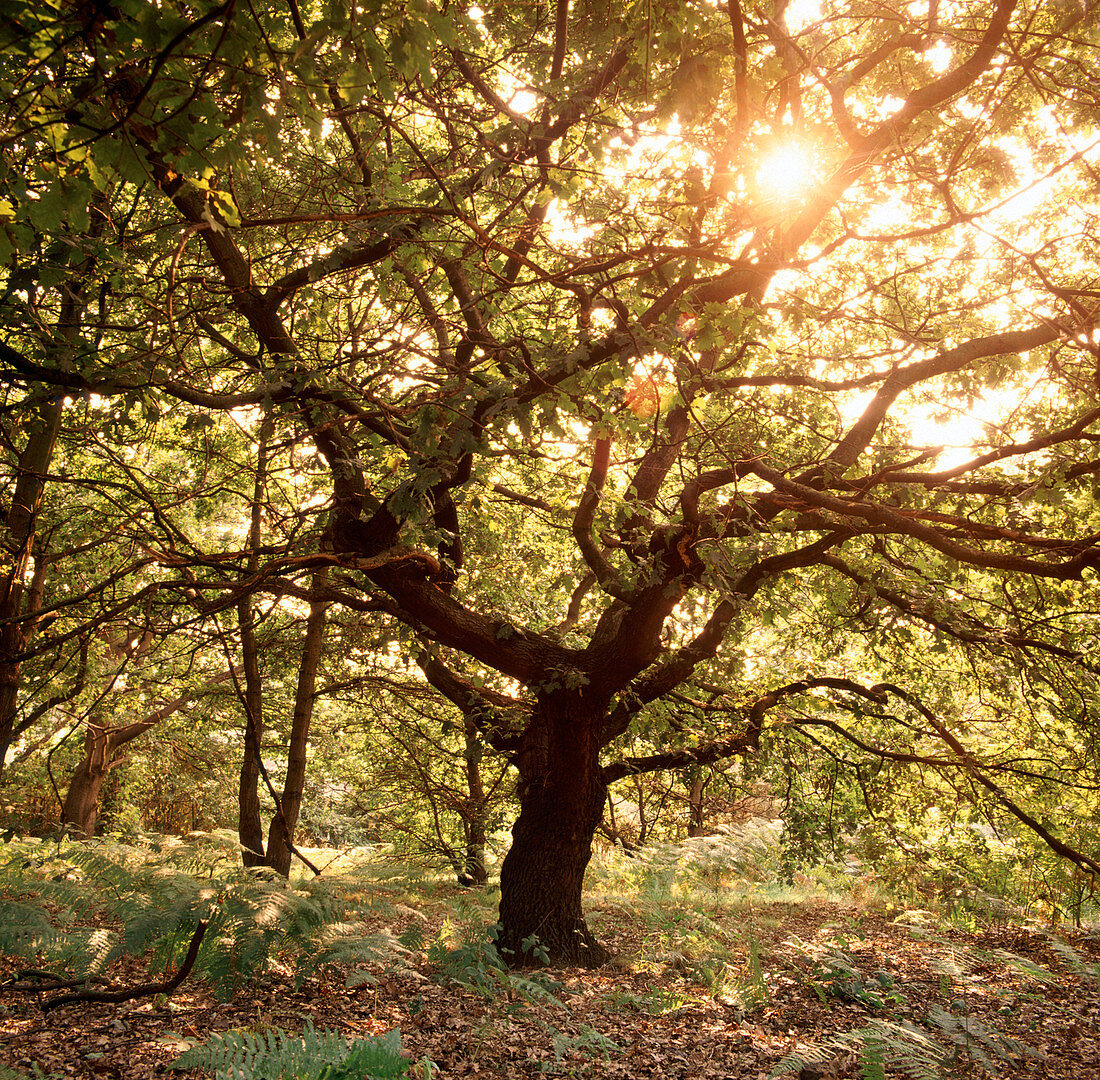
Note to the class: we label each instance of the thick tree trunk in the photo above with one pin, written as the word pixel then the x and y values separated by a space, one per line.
pixel 561 794
pixel 281 834
pixel 81 806
pixel 101 754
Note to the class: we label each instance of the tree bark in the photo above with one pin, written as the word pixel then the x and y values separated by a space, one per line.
pixel 18 548
pixel 473 820
pixel 101 754
pixel 249 827
pixel 280 836
pixel 561 794
pixel 696 786
pixel 250 830
pixel 81 806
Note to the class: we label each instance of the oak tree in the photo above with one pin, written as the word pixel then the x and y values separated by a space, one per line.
pixel 610 323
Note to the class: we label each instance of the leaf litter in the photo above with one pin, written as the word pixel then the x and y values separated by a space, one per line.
pixel 784 990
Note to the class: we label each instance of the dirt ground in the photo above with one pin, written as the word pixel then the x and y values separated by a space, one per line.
pixel 814 973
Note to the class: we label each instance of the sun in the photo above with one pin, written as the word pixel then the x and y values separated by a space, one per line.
pixel 786 171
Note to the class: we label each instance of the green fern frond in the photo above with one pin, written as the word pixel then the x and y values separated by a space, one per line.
pixel 26 929
pixel 880 1044
pixel 312 1055
pixel 352 945
pixel 903 1047
pixel 148 901
pixel 1028 968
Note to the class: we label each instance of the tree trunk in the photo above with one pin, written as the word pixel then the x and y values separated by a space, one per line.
pixel 696 787
pixel 81 806
pixel 101 754
pixel 20 527
pixel 250 830
pixel 281 834
pixel 561 796
pixel 18 545
pixel 473 824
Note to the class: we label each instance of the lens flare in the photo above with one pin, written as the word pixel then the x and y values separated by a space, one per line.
pixel 785 172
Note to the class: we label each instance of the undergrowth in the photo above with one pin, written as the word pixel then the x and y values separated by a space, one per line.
pixel 78 908
pixel 311 1055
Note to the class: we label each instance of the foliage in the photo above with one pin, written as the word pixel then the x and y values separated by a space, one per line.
pixel 838 976
pixel 312 1055
pixel 476 963
pixel 639 455
pixel 879 1043
pixel 977 1042
pixel 1074 962
pixel 82 906
pixel 910 1049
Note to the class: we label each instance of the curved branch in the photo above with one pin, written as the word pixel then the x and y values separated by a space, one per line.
pixel 986 636
pixel 478 704
pixel 895 521
pixel 585 515
pixel 166 986
pixel 1085 862
pixel 743 743
pixel 853 444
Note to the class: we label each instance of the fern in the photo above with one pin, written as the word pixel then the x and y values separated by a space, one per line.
pixel 981 1044
pixel 880 1044
pixel 906 1048
pixel 351 945
pixel 312 1055
pixel 81 908
pixel 477 965
pixel 1028 968
pixel 26 929
pixel 1074 962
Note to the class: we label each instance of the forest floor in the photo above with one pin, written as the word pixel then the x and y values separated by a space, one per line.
pixel 720 984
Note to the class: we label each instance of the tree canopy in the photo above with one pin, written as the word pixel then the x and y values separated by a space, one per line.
pixel 709 371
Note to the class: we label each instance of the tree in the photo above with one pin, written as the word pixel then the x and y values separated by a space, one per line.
pixel 102 745
pixel 611 324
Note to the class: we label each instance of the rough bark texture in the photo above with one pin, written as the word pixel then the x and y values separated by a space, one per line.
pixel 561 794
pixel 249 827
pixel 101 754
pixel 81 806
pixel 696 824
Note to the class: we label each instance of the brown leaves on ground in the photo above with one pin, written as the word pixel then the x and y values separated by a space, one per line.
pixel 821 971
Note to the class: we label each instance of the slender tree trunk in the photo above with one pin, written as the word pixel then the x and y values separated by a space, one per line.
pixel 17 539
pixel 281 834
pixel 696 786
pixel 249 827
pixel 561 793
pixel 250 830
pixel 474 872
pixel 18 548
